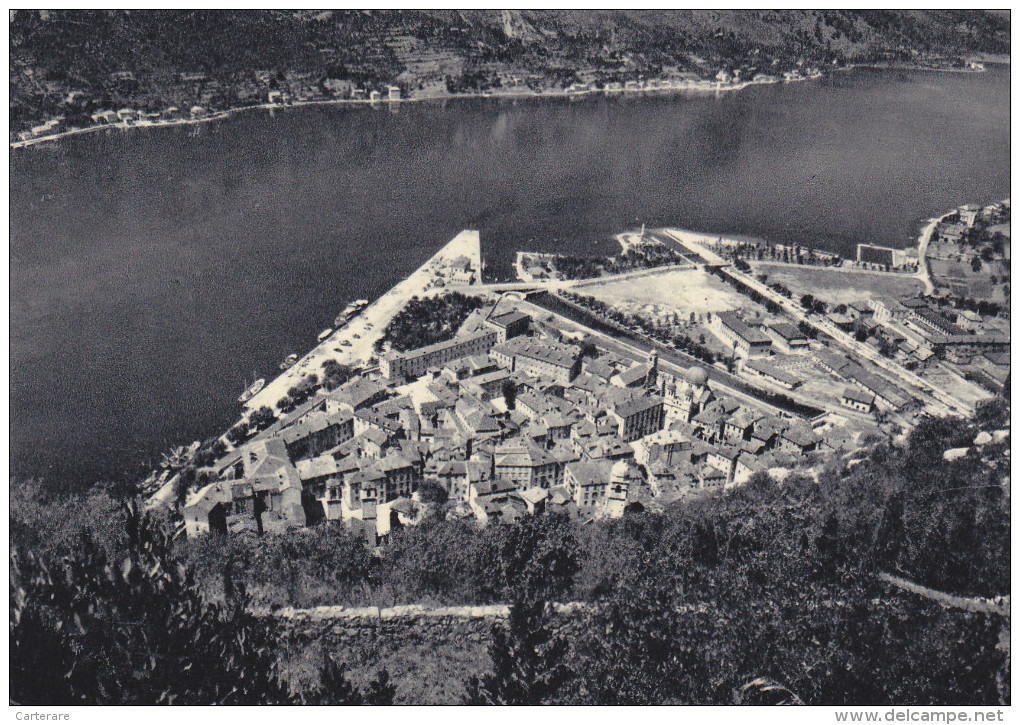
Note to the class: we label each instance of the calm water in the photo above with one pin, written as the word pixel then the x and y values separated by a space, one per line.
pixel 154 271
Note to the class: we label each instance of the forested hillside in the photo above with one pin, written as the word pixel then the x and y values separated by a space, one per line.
pixel 150 60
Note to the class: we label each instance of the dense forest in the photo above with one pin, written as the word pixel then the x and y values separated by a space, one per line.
pixel 772 582
pixel 74 63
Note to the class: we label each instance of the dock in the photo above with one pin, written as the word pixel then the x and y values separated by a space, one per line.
pixel 363 330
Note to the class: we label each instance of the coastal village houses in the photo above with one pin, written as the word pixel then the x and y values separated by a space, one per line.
pixel 590 436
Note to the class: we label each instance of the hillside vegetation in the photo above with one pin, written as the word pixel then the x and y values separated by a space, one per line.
pixel 149 60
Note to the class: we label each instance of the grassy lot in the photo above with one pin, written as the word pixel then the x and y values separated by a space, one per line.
pixel 940 378
pixel 837 286
pixel 816 383
pixel 686 290
pixel 962 279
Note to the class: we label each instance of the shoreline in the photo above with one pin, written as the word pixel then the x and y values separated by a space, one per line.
pixel 699 87
pixel 875 66
pixel 353 343
pixel 362 330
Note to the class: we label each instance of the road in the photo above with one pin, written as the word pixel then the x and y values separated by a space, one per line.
pixel 558 284
pixel 833 268
pixel 923 272
pixel 999 606
pixel 937 399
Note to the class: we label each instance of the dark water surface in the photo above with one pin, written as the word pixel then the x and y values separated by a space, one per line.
pixel 154 271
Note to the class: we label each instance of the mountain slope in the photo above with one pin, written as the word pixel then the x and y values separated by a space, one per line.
pixel 151 59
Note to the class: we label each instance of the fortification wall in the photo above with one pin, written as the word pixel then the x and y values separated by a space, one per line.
pixel 428 651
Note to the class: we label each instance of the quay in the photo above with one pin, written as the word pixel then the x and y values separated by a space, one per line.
pixel 354 343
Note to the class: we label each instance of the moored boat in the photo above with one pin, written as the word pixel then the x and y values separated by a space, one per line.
pixel 252 391
pixel 288 361
pixel 325 333
pixel 349 311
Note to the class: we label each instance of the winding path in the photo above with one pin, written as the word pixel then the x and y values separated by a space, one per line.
pixel 998 605
pixel 923 273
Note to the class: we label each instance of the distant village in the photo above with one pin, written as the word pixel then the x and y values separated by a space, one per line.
pixel 81 113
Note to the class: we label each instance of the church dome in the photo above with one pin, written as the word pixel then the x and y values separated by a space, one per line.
pixel 620 471
pixel 697 376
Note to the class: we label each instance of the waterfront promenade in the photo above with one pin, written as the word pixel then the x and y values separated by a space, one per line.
pixel 353 344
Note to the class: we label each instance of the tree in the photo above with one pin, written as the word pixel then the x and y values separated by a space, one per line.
pixel 182 486
pixel 440 559
pixel 334 374
pixel 128 624
pixel 509 394
pixel 210 452
pixel 536 557
pixel 261 419
pixel 807 302
pixel 134 631
pixel 238 434
pixel 430 492
pixel 527 661
pixel 429 320
pixel 588 348
pixel 637 651
pixel 992 414
pixel 176 459
pixel 286 404
pixel 335 689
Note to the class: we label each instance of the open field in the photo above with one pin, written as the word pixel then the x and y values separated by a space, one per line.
pixel 839 286
pixel 955 385
pixel 686 290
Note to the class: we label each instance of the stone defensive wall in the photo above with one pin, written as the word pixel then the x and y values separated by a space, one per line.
pixel 369 626
pixel 370 617
pixel 429 651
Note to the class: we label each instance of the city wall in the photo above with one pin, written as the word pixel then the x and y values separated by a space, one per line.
pixel 428 652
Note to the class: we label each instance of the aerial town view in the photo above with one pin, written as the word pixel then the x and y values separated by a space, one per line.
pixel 703 399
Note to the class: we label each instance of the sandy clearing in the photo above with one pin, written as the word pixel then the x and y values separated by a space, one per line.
pixel 685 290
